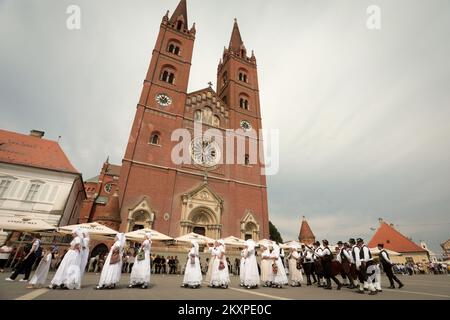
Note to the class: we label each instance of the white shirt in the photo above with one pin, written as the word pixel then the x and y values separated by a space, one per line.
pixel 385 257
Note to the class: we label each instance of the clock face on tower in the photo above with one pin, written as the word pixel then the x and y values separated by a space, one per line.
pixel 246 125
pixel 205 153
pixel 163 100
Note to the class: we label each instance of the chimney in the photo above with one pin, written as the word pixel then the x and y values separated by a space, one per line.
pixel 380 220
pixel 37 133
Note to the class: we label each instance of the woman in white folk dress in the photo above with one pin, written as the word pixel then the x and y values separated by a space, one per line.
pixel 295 274
pixel 220 277
pixel 140 274
pixel 192 272
pixel 68 274
pixel 279 277
pixel 40 275
pixel 112 269
pixel 210 262
pixel 251 276
pixel 84 252
pixel 242 265
pixel 266 265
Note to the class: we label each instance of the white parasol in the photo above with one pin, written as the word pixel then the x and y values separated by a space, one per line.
pixel 196 237
pixel 234 241
pixel 139 235
pixel 24 224
pixel 95 229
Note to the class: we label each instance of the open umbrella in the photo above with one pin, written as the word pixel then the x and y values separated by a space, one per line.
pixel 139 235
pixel 193 236
pixel 95 229
pixel 288 244
pixel 234 241
pixel 265 242
pixel 24 224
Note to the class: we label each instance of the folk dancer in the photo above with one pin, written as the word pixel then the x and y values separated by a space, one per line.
pixel 387 267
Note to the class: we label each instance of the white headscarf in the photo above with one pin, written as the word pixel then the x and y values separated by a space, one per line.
pixel 222 243
pixel 79 233
pixel 250 244
pixel 148 235
pixel 85 233
pixel 195 244
pixel 121 238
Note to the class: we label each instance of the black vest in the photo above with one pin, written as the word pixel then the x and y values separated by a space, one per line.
pixel 343 256
pixel 327 257
pixel 380 256
pixel 361 252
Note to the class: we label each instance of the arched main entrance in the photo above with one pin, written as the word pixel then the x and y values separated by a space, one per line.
pixel 202 221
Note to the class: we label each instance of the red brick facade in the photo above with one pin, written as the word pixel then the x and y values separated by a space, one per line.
pixel 222 200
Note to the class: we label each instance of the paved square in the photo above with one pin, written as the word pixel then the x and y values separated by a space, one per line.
pixel 167 287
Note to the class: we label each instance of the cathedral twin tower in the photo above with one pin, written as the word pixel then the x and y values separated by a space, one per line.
pixel 205 196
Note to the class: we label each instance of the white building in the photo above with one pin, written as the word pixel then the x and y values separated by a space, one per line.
pixel 38 180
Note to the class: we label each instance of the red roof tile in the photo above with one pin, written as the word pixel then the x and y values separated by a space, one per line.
pixel 22 149
pixel 393 240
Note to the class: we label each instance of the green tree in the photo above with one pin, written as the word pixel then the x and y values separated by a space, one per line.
pixel 274 233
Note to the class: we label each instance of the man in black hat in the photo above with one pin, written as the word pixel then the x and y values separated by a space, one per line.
pixel 308 264
pixel 326 256
pixel 318 268
pixel 364 261
pixel 387 267
pixel 344 258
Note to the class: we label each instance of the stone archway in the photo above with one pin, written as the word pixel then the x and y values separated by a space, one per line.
pixel 249 227
pixel 201 212
pixel 141 216
pixel 202 220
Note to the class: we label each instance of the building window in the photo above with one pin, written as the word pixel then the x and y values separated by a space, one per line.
pixel 224 99
pixel 32 192
pixel 247 160
pixel 243 77
pixel 179 25
pixel 4 185
pixel 174 48
pixel 224 78
pixel 154 138
pixel 168 75
pixel 243 103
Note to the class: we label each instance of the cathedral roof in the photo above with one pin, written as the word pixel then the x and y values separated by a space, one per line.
pixel 236 39
pixel 33 151
pixel 181 10
pixel 206 93
pixel 113 170
pixel 393 240
pixel 110 211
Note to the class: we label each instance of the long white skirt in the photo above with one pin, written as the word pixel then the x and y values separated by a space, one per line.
pixel 84 260
pixel 242 270
pixel 280 278
pixel 192 273
pixel 111 273
pixel 68 272
pixel 208 273
pixel 266 270
pixel 219 277
pixel 41 273
pixel 251 274
pixel 294 273
pixel 141 271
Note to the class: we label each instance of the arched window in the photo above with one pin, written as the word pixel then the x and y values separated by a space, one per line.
pixel 224 78
pixel 174 47
pixel 224 99
pixel 207 115
pixel 247 160
pixel 179 25
pixel 243 76
pixel 155 138
pixel 168 75
pixel 243 103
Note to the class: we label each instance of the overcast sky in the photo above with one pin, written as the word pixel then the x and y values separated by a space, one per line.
pixel 363 114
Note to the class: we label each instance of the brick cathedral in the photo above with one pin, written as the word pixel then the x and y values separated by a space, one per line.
pixel 205 196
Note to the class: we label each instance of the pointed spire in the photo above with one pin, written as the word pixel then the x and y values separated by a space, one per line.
pixel 236 39
pixel 181 10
